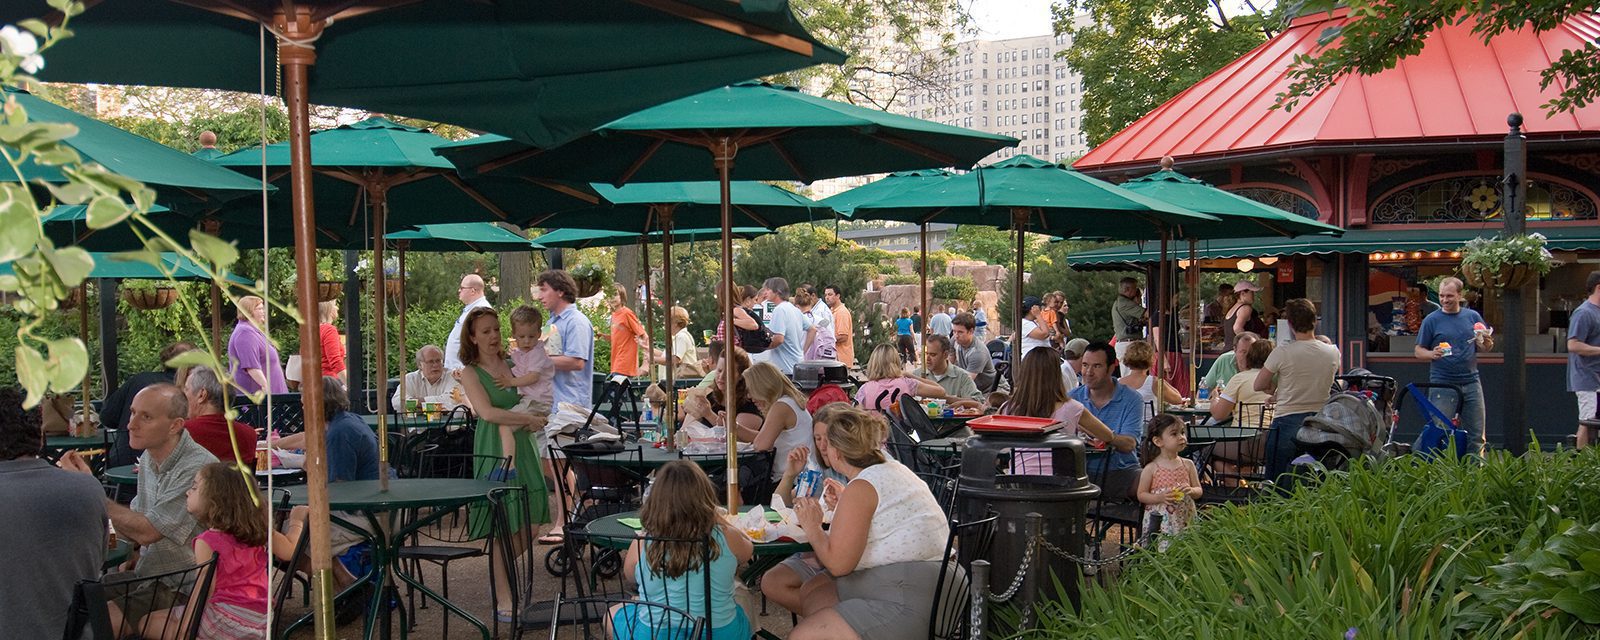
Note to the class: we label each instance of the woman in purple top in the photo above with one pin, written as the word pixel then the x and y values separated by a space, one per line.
pixel 252 359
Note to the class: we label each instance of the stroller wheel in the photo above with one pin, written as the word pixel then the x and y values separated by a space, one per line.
pixel 608 563
pixel 557 562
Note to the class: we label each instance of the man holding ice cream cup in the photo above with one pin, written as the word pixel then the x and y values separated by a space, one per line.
pixel 1449 340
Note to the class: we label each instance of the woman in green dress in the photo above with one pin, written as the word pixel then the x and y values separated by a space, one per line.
pixel 484 358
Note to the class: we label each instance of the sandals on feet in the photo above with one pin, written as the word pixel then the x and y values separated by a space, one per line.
pixel 554 536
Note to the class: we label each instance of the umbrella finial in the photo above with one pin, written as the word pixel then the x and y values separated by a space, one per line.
pixel 208 140
pixel 1166 163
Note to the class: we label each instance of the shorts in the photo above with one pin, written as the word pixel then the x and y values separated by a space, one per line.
pixel 138 601
pixel 804 565
pixel 1587 401
pixel 889 602
pixel 342 538
pixel 223 621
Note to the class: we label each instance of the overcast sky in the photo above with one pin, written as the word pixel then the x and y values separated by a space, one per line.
pixel 1002 19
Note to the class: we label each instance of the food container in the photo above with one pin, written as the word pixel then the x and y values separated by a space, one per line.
pixel 1446 350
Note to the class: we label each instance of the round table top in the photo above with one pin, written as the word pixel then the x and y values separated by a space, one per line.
pixel 68 442
pixel 127 474
pixel 1197 410
pixel 404 493
pixel 117 555
pixel 407 421
pixel 942 443
pixel 620 535
pixel 1222 433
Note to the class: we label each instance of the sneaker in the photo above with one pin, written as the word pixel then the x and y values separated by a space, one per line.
pixel 354 606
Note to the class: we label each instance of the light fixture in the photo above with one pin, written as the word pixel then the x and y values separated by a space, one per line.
pixel 1416 255
pixel 1436 254
pixel 1246 265
pixel 1269 260
pixel 1183 264
pixel 1376 256
pixel 1455 254
pixel 1396 255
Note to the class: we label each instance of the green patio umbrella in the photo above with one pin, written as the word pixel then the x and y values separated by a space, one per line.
pixel 660 207
pixel 180 180
pixel 748 131
pixel 1025 193
pixel 584 238
pixel 538 72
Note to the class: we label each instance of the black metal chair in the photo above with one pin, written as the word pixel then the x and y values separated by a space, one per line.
pixel 593 484
pixel 284 575
pixel 755 473
pixel 952 593
pixel 601 579
pixel 445 540
pixel 1109 511
pixel 944 490
pixel 287 415
pixel 673 623
pixel 1236 472
pixel 91 606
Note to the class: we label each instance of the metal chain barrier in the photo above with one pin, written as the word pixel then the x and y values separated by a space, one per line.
pixel 1022 570
pixel 1039 541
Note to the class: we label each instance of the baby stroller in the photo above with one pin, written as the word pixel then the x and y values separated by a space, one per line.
pixel 1357 420
pixel 1438 428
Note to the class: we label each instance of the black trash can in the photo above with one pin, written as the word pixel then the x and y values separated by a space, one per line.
pixel 1061 499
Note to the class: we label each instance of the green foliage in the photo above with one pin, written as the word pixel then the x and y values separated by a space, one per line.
pixel 600 317
pixel 953 288
pixel 997 247
pixel 1490 254
pixel 1136 54
pixel 1408 549
pixel 902 278
pixel 804 253
pixel 235 129
pixel 1380 34
pixel 858 26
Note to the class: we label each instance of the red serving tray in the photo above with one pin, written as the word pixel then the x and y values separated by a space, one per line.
pixel 1017 425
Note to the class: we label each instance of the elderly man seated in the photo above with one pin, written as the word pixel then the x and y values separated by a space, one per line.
pixel 209 426
pixel 158 520
pixel 55 528
pixel 429 379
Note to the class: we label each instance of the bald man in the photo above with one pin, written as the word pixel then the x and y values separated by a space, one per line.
pixel 471 295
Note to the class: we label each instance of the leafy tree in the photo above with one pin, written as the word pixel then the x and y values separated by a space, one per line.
pixel 995 246
pixel 1136 54
pixel 878 75
pixel 1381 33
pixel 953 288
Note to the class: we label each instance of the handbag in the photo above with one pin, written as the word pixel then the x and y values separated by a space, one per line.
pixel 56 415
pixel 1440 432
pixel 754 340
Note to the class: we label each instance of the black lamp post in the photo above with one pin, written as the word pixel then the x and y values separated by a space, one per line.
pixel 1515 395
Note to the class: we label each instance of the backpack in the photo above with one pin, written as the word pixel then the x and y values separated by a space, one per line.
pixel 754 340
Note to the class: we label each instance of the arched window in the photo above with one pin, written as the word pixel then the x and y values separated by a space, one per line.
pixel 1477 198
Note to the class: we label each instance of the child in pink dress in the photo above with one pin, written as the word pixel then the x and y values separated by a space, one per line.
pixel 1169 484
pixel 533 374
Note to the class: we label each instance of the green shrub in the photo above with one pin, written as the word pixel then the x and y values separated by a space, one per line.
pixel 954 288
pixel 1403 550
pixel 902 278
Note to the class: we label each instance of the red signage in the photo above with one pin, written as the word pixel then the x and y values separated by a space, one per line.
pixel 1286 271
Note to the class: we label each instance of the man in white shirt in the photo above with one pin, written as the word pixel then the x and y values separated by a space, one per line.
pixel 428 380
pixel 471 294
pixel 1034 335
pixel 791 331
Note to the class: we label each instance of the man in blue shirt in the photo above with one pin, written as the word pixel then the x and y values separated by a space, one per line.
pixel 574 379
pixel 1120 407
pixel 1450 339
pixel 1583 358
pixel 791 330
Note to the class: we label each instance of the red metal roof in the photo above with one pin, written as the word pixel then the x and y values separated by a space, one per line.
pixel 1456 88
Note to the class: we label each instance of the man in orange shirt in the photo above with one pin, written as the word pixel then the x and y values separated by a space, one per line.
pixel 627 334
pixel 843 325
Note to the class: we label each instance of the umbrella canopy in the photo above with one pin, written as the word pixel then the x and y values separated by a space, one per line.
pixel 112 266
pixel 638 208
pixel 1055 200
pixel 887 187
pixel 540 72
pixel 180 180
pixel 377 161
pixel 583 238
pixel 786 135
pixel 462 236
pixel 1241 217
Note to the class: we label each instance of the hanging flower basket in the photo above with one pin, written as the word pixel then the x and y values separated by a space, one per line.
pixel 393 288
pixel 1510 276
pixel 588 286
pixel 150 299
pixel 329 290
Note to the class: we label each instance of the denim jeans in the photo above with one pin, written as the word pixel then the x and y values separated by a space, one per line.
pixel 1281 448
pixel 1471 411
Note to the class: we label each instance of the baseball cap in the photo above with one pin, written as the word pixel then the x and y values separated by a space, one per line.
pixel 1029 302
pixel 1246 285
pixel 1076 347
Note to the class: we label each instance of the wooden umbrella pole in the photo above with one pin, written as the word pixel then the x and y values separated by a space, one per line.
pixel 1019 222
pixel 400 250
pixel 723 152
pixel 1159 331
pixel 1194 323
pixel 83 330
pixel 669 415
pixel 296 59
pixel 922 295
pixel 649 314
pixel 378 194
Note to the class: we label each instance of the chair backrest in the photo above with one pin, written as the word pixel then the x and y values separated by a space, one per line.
pixel 915 419
pixel 968 541
pixel 601 483
pixel 288 415
pixel 601 575
pixel 282 577
pixel 464 466
pixel 677 624
pixel 513 533
pixel 189 587
pixel 944 490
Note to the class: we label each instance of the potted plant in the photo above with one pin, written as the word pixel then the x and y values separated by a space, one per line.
pixel 148 295
pixel 1505 262
pixel 590 278
pixel 392 277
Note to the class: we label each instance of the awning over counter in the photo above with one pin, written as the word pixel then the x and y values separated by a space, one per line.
pixel 1567 238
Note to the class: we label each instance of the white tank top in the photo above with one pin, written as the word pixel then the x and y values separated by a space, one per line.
pixel 798 435
pixel 908 525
